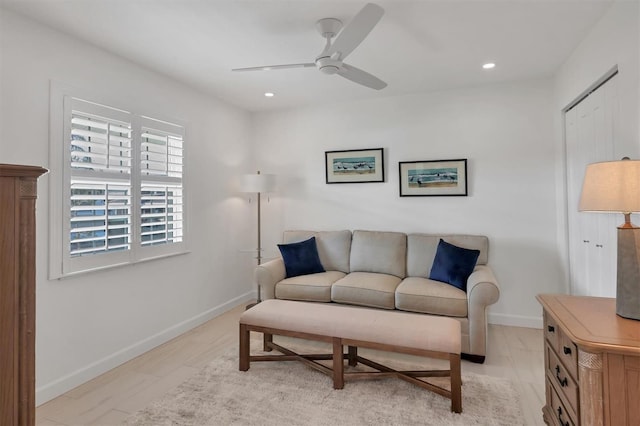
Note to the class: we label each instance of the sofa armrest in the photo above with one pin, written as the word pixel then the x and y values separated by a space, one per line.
pixel 482 288
pixel 267 275
pixel 482 291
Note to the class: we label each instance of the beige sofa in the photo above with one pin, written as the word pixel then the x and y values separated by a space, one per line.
pixel 390 270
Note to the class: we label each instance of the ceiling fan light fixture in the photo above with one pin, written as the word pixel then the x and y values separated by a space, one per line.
pixel 329 69
pixel 489 65
pixel 269 94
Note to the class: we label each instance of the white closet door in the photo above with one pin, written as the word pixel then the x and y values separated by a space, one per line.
pixel 589 134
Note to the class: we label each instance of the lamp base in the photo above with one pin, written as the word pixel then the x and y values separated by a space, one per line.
pixel 628 286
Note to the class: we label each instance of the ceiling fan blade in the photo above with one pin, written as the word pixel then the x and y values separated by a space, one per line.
pixel 275 67
pixel 361 77
pixel 356 31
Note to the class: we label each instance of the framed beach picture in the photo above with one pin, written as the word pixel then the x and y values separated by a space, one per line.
pixel 433 178
pixel 354 166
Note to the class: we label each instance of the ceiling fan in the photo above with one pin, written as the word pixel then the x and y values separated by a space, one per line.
pixel 330 61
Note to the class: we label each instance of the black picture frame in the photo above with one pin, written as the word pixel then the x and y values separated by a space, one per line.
pixel 433 178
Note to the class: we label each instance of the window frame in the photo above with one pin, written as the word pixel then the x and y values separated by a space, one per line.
pixel 61 263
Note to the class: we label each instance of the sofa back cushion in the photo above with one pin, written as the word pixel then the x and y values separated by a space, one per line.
pixel 334 247
pixel 381 252
pixel 421 250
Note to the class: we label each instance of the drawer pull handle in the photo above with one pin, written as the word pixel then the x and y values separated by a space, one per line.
pixel 566 350
pixel 551 329
pixel 563 423
pixel 563 382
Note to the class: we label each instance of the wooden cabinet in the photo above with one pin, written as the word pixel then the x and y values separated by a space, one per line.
pixel 17 293
pixel 592 362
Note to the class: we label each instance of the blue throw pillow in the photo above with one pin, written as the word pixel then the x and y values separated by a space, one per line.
pixel 301 258
pixel 453 264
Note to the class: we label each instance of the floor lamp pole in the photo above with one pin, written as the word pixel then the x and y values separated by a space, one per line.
pixel 259 248
pixel 259 256
pixel 258 253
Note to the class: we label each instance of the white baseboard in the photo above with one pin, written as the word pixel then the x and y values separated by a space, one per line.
pixel 515 320
pixel 64 384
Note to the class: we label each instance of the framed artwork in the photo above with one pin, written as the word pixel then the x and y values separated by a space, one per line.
pixel 433 178
pixel 354 166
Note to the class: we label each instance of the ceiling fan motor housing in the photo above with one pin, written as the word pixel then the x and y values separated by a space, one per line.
pixel 328 65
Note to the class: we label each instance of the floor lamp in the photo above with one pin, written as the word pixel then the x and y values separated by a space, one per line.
pixel 614 187
pixel 258 183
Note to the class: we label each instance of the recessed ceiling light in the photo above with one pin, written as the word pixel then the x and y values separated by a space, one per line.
pixel 489 65
pixel 269 95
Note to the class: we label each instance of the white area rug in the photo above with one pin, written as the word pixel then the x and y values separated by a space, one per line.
pixel 290 393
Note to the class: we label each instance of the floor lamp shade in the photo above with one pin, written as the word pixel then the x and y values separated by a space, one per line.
pixel 258 183
pixel 614 186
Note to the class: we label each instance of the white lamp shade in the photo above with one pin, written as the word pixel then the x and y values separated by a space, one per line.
pixel 258 183
pixel 611 186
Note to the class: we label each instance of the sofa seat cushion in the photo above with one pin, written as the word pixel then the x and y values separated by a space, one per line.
pixel 427 296
pixel 366 289
pixel 311 288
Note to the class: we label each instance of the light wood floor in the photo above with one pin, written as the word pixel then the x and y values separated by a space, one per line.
pixel 514 353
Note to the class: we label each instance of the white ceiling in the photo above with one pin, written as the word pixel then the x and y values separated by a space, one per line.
pixel 417 46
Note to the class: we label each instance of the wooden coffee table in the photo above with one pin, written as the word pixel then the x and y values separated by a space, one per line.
pixel 415 334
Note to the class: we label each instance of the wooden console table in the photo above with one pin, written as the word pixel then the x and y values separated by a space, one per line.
pixel 17 293
pixel 592 362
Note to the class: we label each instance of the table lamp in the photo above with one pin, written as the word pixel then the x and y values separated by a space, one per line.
pixel 614 187
pixel 258 183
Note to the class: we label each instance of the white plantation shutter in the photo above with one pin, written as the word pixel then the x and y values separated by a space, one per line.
pixel 122 192
pixel 100 149
pixel 100 217
pixel 100 144
pixel 161 153
pixel 161 220
pixel 161 199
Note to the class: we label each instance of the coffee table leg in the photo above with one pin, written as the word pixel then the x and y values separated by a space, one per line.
pixel 244 348
pixel 338 364
pixel 353 356
pixel 456 383
pixel 266 339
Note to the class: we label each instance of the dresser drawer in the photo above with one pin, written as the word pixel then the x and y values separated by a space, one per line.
pixel 560 415
pixel 551 331
pixel 568 353
pixel 562 381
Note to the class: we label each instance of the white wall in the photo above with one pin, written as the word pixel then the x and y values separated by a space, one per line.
pixel 613 41
pixel 90 323
pixel 506 133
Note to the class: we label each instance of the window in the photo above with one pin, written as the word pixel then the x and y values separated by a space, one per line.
pixel 122 195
